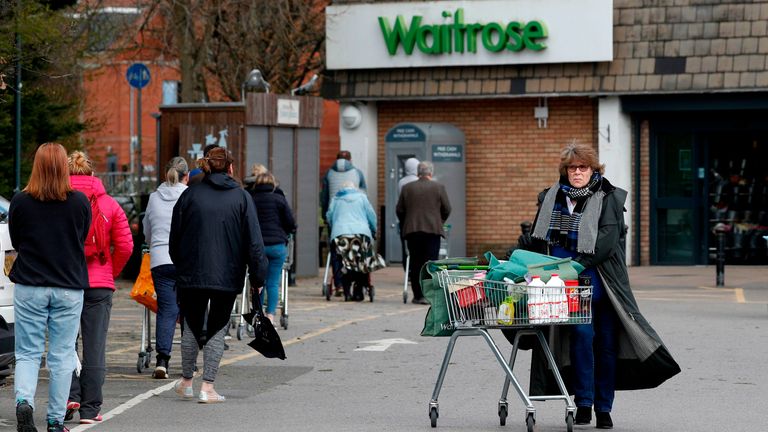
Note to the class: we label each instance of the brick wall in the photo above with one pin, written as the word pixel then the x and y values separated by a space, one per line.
pixel 509 160
pixel 645 192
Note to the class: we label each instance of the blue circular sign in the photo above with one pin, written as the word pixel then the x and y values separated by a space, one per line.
pixel 137 75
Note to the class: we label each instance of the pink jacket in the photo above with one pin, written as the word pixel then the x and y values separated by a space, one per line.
pixel 103 276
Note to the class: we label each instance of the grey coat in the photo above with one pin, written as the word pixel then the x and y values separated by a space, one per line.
pixel 643 360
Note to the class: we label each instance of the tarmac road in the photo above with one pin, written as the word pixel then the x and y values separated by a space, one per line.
pixel 334 380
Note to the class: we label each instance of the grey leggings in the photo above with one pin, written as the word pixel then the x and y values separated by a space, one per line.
pixel 212 352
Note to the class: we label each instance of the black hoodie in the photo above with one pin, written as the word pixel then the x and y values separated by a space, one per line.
pixel 215 234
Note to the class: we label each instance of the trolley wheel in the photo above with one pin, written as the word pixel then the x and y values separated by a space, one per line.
pixel 433 415
pixel 327 291
pixel 284 321
pixel 405 297
pixel 371 293
pixel 146 361
pixel 530 422
pixel 569 421
pixel 140 364
pixel 239 332
pixel 503 412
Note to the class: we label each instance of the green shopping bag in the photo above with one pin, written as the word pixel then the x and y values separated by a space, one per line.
pixel 437 322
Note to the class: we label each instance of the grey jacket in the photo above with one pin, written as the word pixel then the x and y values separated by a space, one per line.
pixel 157 221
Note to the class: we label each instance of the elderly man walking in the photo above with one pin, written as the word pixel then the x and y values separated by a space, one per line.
pixel 422 209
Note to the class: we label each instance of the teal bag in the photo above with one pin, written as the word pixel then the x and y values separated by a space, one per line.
pixel 565 268
pixel 437 322
pixel 520 264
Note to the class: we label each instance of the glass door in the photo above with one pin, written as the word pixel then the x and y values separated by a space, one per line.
pixel 674 197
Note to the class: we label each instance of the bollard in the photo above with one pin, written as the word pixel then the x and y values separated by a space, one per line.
pixel 720 230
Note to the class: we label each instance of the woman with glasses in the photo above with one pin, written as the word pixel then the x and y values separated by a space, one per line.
pixel 582 217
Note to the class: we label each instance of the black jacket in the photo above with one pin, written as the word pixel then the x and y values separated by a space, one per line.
pixel 275 216
pixel 215 234
pixel 48 237
pixel 643 361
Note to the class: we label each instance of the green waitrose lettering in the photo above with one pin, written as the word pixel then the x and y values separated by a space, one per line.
pixel 458 36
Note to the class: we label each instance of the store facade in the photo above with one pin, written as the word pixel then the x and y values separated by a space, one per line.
pixel 674 97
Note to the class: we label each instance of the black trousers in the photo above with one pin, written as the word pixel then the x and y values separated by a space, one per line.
pixel 94 323
pixel 422 247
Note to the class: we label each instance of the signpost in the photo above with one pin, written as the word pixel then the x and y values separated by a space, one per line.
pixel 138 77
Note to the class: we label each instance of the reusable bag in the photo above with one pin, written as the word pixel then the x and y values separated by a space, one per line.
pixel 436 322
pixel 566 268
pixel 266 340
pixel 143 290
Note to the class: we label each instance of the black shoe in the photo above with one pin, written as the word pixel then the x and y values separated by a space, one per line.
pixel 161 368
pixel 603 420
pixel 420 301
pixel 57 427
pixel 583 415
pixel 25 422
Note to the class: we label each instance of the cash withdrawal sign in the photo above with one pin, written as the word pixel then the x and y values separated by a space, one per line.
pixel 449 33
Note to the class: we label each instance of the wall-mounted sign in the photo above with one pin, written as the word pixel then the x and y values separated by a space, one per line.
pixel 483 32
pixel 447 153
pixel 288 111
pixel 405 133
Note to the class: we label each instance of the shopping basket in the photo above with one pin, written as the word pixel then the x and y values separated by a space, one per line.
pixel 476 305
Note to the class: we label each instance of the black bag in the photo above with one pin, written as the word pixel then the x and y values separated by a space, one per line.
pixel 266 341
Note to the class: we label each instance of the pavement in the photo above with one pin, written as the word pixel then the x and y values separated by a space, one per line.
pixel 330 389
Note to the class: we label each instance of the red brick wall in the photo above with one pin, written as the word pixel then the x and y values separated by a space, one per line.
pixel 509 160
pixel 645 204
pixel 329 135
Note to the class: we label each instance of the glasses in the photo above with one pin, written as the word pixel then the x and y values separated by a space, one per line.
pixel 582 168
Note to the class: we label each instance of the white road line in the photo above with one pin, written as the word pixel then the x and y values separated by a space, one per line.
pixel 164 388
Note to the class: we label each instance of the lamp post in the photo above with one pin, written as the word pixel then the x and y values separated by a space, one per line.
pixel 254 81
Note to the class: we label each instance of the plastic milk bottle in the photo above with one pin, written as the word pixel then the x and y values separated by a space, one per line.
pixel 535 300
pixel 558 302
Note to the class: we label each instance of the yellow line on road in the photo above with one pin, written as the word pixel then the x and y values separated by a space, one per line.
pixel 739 293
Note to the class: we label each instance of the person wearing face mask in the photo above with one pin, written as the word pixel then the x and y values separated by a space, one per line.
pixel 581 216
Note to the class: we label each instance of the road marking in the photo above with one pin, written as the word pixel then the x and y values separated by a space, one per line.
pixel 382 344
pixel 164 388
pixel 739 293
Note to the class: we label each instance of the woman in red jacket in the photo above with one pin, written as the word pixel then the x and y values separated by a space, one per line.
pixel 107 249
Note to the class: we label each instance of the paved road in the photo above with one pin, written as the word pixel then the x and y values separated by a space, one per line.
pixel 332 381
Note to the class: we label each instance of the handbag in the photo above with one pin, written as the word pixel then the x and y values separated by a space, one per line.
pixel 266 340
pixel 143 290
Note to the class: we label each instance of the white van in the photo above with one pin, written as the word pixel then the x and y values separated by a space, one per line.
pixel 7 317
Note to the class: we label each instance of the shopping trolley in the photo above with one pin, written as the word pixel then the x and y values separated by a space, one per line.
pixel 145 349
pixel 242 305
pixel 476 305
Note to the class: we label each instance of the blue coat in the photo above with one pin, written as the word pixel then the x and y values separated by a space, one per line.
pixel 350 213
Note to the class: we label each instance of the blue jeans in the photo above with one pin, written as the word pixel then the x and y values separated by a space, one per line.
pixel 594 348
pixel 276 255
pixel 164 278
pixel 58 310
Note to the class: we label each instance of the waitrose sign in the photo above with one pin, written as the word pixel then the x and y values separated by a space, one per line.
pixel 462 33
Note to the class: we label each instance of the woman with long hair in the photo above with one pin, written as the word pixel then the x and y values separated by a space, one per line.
pixel 276 222
pixel 157 228
pixel 48 225
pixel 215 234
pixel 105 261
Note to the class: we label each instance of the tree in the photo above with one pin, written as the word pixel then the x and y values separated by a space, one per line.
pixel 50 97
pixel 217 42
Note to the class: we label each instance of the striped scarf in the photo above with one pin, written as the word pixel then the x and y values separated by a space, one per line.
pixel 575 231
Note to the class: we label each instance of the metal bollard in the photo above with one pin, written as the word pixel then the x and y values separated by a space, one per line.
pixel 720 230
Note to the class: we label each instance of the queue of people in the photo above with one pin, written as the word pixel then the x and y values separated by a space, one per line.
pixel 205 238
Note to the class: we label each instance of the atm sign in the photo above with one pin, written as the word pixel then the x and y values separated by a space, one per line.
pixel 447 153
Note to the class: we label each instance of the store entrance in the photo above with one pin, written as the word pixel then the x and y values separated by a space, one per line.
pixel 708 171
